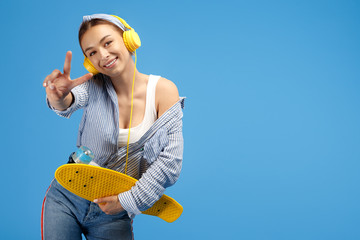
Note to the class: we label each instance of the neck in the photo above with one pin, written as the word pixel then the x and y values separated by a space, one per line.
pixel 123 82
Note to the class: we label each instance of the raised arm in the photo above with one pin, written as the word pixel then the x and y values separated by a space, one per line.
pixel 58 85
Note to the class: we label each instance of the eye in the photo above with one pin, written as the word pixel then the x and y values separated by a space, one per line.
pixel 92 54
pixel 108 43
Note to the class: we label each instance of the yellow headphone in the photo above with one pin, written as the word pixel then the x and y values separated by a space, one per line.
pixel 131 40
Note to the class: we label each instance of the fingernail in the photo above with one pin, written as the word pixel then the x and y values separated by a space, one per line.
pixel 49 85
pixel 95 200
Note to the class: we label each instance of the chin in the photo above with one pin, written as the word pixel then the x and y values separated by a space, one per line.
pixel 113 73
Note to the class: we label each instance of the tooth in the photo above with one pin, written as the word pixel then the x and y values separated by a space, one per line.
pixel 111 62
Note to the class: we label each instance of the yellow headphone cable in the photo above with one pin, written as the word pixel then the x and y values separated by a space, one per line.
pixel 131 112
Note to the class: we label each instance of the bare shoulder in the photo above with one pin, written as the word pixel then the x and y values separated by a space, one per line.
pixel 166 95
pixel 167 88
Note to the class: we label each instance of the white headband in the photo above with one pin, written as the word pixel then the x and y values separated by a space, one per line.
pixel 106 17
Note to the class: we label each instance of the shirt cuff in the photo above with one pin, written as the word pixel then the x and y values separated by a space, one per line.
pixel 65 113
pixel 127 201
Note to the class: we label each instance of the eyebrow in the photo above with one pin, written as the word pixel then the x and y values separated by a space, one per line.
pixel 100 42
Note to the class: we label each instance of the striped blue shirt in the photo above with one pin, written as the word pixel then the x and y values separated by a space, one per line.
pixel 155 160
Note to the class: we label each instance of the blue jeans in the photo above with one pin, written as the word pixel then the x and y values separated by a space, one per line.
pixel 66 216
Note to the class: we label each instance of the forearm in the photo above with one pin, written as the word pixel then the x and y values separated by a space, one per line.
pixel 62 104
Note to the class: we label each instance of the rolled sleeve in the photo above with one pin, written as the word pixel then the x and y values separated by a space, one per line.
pixel 127 201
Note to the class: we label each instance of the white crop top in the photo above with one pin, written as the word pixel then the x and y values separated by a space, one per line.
pixel 150 115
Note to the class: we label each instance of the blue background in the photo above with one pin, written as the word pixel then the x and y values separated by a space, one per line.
pixel 271 122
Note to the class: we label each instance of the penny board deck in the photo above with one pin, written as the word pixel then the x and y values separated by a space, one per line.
pixel 92 182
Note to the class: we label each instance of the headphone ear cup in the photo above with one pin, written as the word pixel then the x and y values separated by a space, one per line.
pixel 90 67
pixel 131 40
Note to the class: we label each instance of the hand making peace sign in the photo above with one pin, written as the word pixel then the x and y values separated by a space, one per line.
pixel 58 85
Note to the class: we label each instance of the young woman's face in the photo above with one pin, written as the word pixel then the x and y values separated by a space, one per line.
pixel 105 48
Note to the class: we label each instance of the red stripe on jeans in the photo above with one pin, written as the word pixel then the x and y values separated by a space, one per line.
pixel 42 215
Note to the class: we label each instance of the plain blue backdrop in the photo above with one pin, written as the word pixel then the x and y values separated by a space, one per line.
pixel 271 122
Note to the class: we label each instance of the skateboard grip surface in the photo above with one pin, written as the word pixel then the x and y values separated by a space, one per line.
pixel 91 182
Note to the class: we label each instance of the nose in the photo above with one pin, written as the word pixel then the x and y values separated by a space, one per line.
pixel 104 54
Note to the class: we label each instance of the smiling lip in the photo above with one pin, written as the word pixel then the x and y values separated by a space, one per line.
pixel 111 63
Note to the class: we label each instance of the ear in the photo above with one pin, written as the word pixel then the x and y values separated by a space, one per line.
pixel 90 67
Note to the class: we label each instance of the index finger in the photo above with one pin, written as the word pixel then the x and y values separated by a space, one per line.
pixel 67 64
pixel 100 201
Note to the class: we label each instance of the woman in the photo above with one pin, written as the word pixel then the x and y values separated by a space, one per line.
pixel 156 143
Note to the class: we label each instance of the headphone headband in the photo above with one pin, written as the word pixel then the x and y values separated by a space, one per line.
pixel 110 18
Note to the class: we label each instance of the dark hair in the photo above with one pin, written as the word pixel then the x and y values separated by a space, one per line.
pixel 93 22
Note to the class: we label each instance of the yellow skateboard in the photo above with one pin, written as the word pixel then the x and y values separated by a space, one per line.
pixel 91 182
